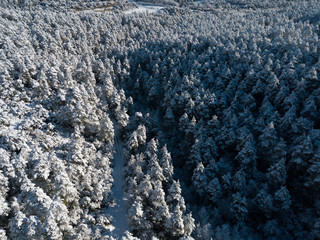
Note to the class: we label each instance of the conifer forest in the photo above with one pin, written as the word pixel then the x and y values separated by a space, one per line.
pixel 159 120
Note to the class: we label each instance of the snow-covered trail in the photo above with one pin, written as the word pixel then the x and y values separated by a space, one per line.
pixel 118 209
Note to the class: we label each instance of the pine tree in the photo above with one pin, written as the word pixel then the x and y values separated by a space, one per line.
pixel 135 214
pixel 141 135
pixel 189 225
pixel 159 211
pixel 277 173
pixel 184 122
pixel 263 201
pixel 169 118
pixel 175 225
pixel 152 148
pixel 268 139
pixel 199 179
pixel 154 169
pixel 24 227
pixel 145 187
pixel 133 142
pixel 214 190
pixel 301 154
pixel 166 163
pixel 106 132
pixel 239 206
pixel 4 189
pixel 174 192
pixel 247 154
pixel 282 199
pixel 310 109
pixel 314 172
pixel 3 234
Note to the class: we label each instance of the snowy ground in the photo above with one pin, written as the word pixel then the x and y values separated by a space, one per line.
pixel 142 8
pixel 145 9
pixel 118 209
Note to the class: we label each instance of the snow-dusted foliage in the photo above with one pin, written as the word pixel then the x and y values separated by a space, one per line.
pixel 157 208
pixel 73 5
pixel 56 132
pixel 217 103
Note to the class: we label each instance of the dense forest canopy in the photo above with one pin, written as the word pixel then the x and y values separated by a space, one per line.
pixel 215 105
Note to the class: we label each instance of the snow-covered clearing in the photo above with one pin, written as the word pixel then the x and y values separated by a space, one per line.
pixel 142 8
pixel 118 209
pixel 145 9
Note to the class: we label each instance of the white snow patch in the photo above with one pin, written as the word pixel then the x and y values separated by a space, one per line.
pixel 142 8
pixel 145 9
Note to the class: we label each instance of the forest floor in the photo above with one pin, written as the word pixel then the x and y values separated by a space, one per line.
pixel 118 209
